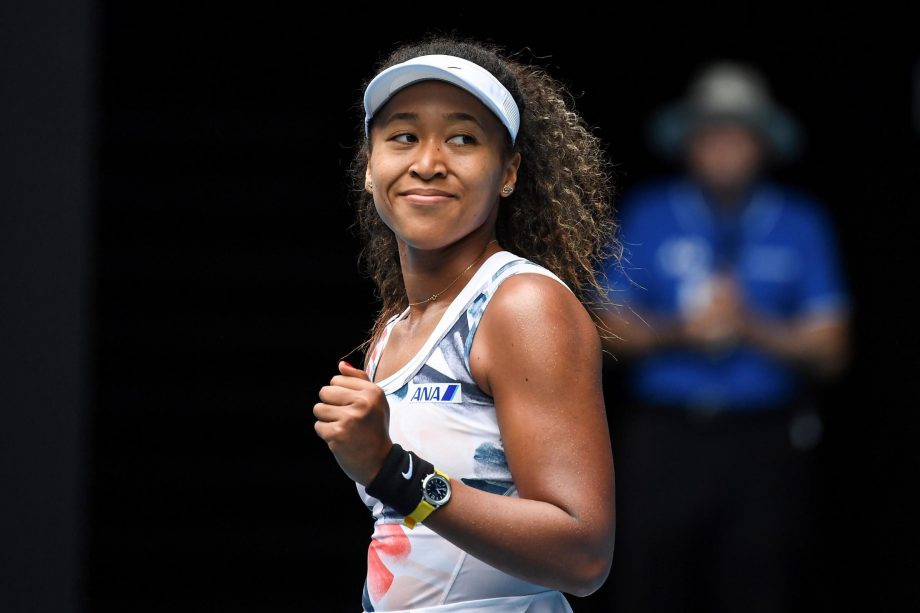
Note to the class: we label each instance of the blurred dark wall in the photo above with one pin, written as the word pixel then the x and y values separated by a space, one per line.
pixel 46 208
pixel 225 285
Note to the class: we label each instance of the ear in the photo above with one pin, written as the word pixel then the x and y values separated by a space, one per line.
pixel 368 182
pixel 511 169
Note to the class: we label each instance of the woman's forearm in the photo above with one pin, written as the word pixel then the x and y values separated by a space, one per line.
pixel 533 540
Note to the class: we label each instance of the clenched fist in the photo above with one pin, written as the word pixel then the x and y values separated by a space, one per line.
pixel 353 417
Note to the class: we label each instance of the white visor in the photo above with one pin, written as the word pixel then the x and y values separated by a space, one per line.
pixel 458 71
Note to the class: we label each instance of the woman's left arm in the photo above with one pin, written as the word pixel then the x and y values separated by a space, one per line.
pixel 538 353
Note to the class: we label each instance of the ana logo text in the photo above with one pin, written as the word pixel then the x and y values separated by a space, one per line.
pixel 434 392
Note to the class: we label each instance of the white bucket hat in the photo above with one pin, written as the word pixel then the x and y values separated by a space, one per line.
pixel 725 91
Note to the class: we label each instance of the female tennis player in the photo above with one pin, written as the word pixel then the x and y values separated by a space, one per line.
pixel 476 431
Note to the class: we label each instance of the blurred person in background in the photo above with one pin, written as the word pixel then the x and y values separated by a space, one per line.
pixel 730 299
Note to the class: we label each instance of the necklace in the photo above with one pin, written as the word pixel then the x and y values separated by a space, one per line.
pixel 434 297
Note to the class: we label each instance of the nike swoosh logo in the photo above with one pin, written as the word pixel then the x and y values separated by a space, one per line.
pixel 408 473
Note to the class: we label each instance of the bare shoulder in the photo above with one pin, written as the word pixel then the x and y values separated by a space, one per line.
pixel 529 298
pixel 536 323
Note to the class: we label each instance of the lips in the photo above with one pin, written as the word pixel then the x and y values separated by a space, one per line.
pixel 426 195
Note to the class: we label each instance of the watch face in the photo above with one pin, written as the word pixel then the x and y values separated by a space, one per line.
pixel 437 489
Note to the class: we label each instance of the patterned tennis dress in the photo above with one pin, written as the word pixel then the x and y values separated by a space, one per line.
pixel 438 411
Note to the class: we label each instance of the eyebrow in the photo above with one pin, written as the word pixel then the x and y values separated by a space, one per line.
pixel 463 117
pixel 401 116
pixel 456 116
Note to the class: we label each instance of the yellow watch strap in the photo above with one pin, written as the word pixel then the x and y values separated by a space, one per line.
pixel 423 510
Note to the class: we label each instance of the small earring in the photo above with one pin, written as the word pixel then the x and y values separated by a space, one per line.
pixel 507 190
pixel 369 186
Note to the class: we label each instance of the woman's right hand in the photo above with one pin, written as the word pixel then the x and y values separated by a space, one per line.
pixel 353 417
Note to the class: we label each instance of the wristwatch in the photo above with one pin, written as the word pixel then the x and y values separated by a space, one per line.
pixel 435 494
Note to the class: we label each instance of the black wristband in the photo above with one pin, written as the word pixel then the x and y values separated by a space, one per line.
pixel 399 482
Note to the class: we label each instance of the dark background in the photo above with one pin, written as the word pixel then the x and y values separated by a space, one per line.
pixel 179 279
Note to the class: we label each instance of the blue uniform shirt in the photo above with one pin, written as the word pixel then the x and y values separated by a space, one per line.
pixel 778 245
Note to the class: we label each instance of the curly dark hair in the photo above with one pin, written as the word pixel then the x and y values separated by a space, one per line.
pixel 560 214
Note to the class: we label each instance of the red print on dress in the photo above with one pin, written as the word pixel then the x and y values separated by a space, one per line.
pixel 389 543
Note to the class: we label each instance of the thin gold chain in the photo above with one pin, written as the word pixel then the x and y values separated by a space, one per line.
pixel 434 297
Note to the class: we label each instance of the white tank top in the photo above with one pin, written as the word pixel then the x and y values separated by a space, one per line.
pixel 438 412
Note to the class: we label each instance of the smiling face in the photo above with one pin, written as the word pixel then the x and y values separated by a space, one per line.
pixel 438 162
